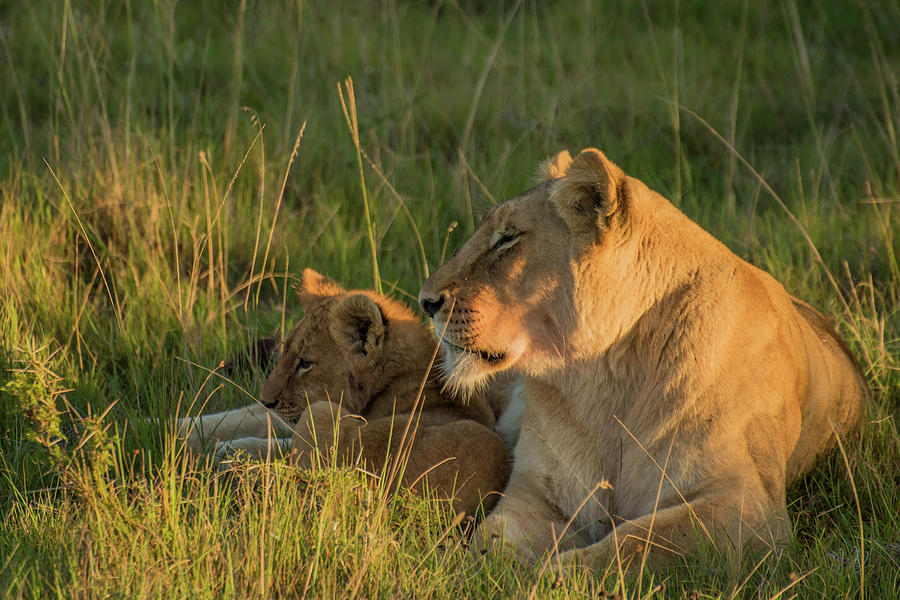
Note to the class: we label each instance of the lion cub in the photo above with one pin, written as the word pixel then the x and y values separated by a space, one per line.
pixel 347 386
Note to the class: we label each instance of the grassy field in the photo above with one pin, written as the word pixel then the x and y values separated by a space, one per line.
pixel 166 169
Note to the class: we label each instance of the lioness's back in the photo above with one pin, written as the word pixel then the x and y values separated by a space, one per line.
pixel 647 347
pixel 835 401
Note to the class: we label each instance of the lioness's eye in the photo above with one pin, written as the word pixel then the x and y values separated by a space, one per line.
pixel 303 365
pixel 506 240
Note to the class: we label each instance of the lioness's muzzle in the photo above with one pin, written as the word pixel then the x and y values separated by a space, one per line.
pixel 430 306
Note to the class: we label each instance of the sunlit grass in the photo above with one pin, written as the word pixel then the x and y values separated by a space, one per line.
pixel 168 168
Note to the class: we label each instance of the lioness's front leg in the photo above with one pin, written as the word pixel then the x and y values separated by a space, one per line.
pixel 525 521
pixel 672 533
pixel 665 537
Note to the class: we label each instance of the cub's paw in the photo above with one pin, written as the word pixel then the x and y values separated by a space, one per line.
pixel 229 455
pixel 250 449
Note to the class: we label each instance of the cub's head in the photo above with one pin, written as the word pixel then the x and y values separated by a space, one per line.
pixel 348 347
pixel 506 298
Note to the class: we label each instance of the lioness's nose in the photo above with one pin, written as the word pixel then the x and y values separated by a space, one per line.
pixel 431 306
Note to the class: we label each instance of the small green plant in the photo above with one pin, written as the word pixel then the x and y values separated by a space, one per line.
pixel 31 400
pixel 40 428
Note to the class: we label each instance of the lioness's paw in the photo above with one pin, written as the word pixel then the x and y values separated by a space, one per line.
pixel 488 537
pixel 492 536
pixel 481 546
pixel 565 560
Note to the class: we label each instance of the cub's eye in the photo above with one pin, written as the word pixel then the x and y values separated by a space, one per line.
pixel 506 240
pixel 303 365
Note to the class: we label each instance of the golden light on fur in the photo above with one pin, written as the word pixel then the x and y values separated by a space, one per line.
pixel 589 188
pixel 356 324
pixel 555 167
pixel 653 359
pixel 314 287
pixel 353 386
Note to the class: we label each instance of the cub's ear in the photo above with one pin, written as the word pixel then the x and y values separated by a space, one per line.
pixel 556 167
pixel 587 196
pixel 315 287
pixel 358 326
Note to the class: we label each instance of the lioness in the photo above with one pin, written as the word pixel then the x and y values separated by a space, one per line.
pixel 354 365
pixel 672 390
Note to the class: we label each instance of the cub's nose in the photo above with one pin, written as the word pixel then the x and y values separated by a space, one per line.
pixel 431 306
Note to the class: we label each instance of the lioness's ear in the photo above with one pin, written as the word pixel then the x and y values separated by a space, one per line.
pixel 588 194
pixel 556 167
pixel 358 325
pixel 315 286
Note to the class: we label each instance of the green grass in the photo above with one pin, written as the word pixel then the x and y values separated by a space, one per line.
pixel 154 215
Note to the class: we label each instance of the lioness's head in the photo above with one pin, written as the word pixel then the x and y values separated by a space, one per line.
pixel 349 346
pixel 506 298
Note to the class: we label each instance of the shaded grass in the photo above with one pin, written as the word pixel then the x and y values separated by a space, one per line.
pixel 166 225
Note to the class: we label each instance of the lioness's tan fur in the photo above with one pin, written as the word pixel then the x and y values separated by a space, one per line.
pixel 673 390
pixel 355 365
